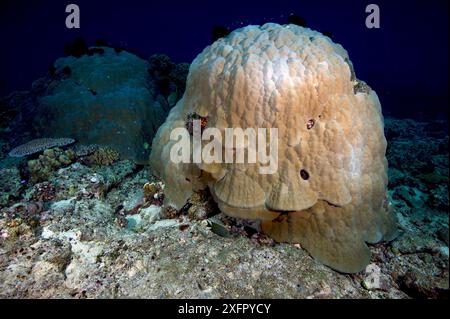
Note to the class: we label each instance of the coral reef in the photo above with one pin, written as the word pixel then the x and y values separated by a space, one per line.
pixel 39 145
pixel 77 48
pixel 330 190
pixel 421 179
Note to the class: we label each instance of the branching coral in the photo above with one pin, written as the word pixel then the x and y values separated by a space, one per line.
pixel 329 191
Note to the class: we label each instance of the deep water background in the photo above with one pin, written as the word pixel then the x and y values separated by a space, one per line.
pixel 405 61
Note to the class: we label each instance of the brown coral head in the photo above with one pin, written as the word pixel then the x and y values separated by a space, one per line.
pixel 85 150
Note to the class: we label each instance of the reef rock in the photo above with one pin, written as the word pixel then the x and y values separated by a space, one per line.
pixel 329 191
pixel 102 99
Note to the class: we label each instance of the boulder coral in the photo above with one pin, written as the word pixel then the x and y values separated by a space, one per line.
pixel 104 99
pixel 329 192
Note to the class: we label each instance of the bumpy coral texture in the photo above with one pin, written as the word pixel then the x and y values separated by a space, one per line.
pixel 329 193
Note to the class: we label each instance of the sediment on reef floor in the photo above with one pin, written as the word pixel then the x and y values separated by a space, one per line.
pixel 99 231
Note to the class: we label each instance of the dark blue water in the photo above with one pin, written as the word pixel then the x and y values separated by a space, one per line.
pixel 405 61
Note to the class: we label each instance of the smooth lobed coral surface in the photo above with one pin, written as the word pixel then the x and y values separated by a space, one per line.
pixel 329 192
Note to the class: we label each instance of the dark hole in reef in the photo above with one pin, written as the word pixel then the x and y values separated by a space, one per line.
pixel 304 174
pixel 101 43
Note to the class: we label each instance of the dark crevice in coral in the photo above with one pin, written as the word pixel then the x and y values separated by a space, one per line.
pixel 304 174
pixel 331 204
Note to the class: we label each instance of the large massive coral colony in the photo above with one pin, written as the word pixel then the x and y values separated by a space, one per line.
pixel 330 187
